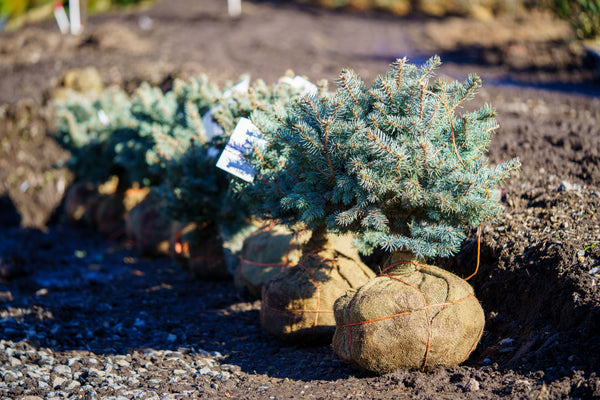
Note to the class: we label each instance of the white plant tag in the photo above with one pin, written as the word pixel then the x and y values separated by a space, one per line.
pixel 61 18
pixel 234 8
pixel 241 87
pixel 104 120
pixel 211 127
pixel 243 139
pixel 75 17
pixel 298 82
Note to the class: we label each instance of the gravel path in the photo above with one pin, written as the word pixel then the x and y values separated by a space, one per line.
pixel 83 318
pixel 85 321
pixel 33 372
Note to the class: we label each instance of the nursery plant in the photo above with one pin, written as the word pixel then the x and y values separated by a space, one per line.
pixel 197 192
pixel 148 136
pixel 87 128
pixel 397 167
pixel 127 137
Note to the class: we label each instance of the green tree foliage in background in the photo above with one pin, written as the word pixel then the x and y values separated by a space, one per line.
pixel 584 15
pixel 13 8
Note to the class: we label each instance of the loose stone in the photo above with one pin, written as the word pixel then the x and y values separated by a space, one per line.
pixel 62 370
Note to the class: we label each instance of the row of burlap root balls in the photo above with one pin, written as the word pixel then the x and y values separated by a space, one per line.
pixel 135 214
pixel 303 276
pixel 138 215
pixel 315 289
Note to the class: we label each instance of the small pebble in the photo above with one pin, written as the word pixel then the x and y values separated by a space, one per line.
pixel 62 370
pixel 472 385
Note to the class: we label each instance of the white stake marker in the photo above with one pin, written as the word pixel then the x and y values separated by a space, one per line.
pixel 234 8
pixel 75 17
pixel 61 18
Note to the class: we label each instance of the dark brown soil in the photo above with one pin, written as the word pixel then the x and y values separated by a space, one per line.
pixel 540 265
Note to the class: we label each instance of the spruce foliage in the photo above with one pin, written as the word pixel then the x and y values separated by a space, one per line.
pixel 85 127
pixel 392 163
pixel 195 190
pixel 130 136
pixel 156 138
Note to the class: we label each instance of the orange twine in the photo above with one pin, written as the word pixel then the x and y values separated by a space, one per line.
pixel 478 243
pixel 179 246
pixel 478 253
pixel 283 264
pixel 425 308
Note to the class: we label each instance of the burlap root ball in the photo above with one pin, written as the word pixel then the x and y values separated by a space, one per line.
pixel 132 219
pixel 149 227
pixel 110 215
pixel 412 316
pixel 297 306
pixel 265 254
pixel 200 249
pixel 81 201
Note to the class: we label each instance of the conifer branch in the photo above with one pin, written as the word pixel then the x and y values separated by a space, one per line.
pixel 260 156
pixel 474 84
pixel 372 136
pixel 388 91
pixel 196 120
pixel 422 90
pixel 424 147
pixel 399 66
pixel 301 151
pixel 283 166
pixel 326 149
pixel 392 122
pixel 451 128
pixel 346 87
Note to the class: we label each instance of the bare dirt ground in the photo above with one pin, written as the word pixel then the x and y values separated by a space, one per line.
pixel 84 317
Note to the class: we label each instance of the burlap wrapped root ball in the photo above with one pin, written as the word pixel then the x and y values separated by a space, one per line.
pixel 297 306
pixel 133 215
pixel 81 202
pixel 148 226
pixel 200 249
pixel 413 316
pixel 266 253
pixel 110 215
